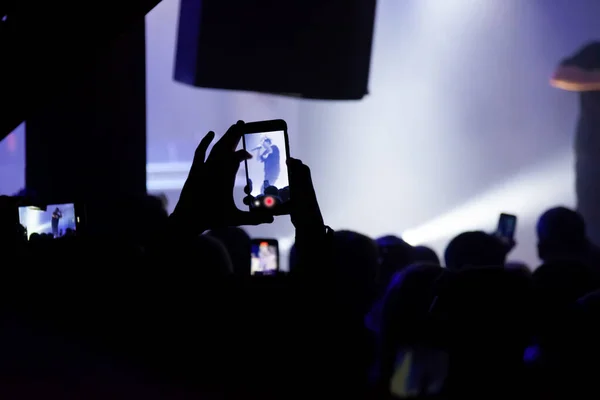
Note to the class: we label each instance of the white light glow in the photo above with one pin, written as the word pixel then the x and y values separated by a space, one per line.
pixel 525 195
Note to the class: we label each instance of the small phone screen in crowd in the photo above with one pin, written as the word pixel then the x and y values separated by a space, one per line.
pixel 264 257
pixel 57 220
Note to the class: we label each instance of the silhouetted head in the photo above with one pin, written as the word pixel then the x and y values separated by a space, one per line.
pixel 424 254
pixel 204 254
pixel 356 257
pixel 56 209
pixel 145 219
pixel 394 255
pixel 561 235
pixel 238 245
pixel 213 256
pixel 406 302
pixel 267 143
pixel 474 249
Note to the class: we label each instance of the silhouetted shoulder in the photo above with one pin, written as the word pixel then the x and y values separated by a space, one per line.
pixel 587 57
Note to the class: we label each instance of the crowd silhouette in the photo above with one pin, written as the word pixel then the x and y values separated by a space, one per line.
pixel 168 309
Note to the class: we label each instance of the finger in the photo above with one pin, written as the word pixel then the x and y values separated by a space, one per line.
pixel 300 177
pixel 200 154
pixel 247 189
pixel 293 162
pixel 248 200
pixel 254 218
pixel 296 167
pixel 242 155
pixel 231 138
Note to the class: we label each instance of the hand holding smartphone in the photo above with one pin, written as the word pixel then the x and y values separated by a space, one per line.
pixel 266 172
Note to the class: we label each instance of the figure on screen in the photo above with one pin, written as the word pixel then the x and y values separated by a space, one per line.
pixel 270 158
pixel 56 216
pixel 267 258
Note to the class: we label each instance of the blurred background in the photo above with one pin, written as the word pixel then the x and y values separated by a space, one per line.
pixel 460 123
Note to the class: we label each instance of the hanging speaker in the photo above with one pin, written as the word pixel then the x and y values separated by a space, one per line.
pixel 318 49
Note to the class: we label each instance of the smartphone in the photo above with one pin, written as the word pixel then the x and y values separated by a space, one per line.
pixel 266 172
pixel 52 220
pixel 507 224
pixel 264 257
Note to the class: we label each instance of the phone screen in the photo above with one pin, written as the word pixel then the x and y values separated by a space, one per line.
pixel 266 171
pixel 507 225
pixel 264 257
pixel 58 220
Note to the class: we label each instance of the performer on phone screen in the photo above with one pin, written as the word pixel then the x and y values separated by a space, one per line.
pixel 270 158
pixel 581 73
pixel 267 259
pixel 56 216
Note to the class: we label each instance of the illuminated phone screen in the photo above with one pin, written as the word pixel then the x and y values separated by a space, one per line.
pixel 264 258
pixel 267 174
pixel 507 225
pixel 58 220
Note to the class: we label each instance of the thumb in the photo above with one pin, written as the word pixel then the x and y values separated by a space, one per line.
pixel 297 169
pixel 300 178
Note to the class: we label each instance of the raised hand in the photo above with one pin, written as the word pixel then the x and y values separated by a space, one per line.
pixel 305 211
pixel 206 200
pixel 303 206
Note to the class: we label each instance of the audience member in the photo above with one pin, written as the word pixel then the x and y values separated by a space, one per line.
pixel 561 233
pixel 238 245
pixel 474 249
pixel 562 237
pixel 424 254
pixel 394 255
pixel 356 263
